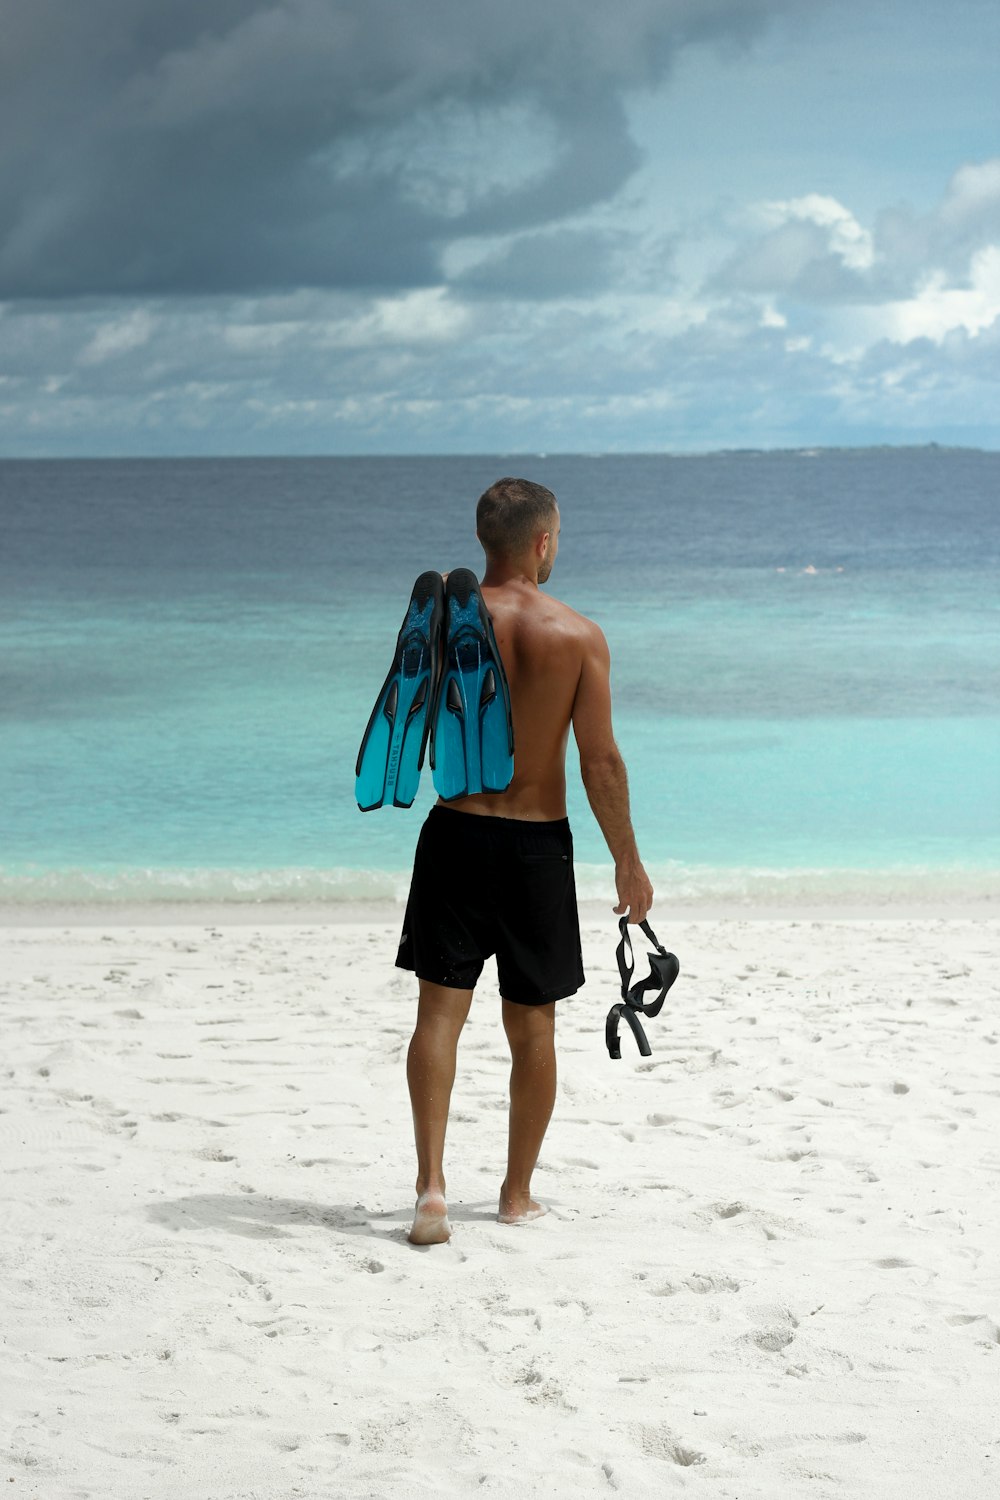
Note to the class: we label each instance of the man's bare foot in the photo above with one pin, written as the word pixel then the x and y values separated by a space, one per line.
pixel 519 1208
pixel 430 1220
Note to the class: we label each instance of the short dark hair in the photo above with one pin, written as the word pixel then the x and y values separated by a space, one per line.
pixel 511 513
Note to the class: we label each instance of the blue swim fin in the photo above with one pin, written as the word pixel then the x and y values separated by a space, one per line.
pixel 392 751
pixel 472 738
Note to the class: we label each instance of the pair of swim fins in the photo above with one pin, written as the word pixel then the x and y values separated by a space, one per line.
pixel 446 690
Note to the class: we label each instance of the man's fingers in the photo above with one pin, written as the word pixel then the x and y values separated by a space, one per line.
pixel 636 914
pixel 637 908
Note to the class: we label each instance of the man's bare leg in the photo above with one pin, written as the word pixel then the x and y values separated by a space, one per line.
pixel 531 1033
pixel 430 1072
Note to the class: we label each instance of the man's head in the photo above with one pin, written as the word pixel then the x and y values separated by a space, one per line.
pixel 518 522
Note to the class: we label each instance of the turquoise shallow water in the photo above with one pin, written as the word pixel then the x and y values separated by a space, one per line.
pixel 806 664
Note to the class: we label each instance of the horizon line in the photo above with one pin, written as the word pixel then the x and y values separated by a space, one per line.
pixel 798 449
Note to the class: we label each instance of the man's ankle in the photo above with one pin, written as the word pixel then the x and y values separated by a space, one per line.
pixel 434 1186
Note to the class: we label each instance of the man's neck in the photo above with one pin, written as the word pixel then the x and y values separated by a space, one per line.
pixel 500 572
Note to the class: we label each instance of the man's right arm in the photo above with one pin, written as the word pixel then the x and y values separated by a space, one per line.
pixel 604 776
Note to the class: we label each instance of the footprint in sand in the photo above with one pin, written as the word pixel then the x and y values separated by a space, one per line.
pixel 773 1340
pixel 574 1309
pixel 778 1325
pixel 706 1284
pixel 660 1442
pixel 982 1326
pixel 535 1386
pixel 257 1282
pixel 729 1210
pixel 686 1457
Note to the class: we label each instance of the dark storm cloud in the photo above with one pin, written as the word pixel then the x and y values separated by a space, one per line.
pixel 213 145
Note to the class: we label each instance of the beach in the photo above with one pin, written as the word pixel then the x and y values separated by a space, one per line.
pixel 768 1268
pixel 330 334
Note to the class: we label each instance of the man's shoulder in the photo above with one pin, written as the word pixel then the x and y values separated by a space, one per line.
pixel 543 619
pixel 575 622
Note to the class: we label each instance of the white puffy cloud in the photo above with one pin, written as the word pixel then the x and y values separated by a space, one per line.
pixel 972 202
pixel 937 308
pixel 818 270
pixel 841 234
pixel 811 248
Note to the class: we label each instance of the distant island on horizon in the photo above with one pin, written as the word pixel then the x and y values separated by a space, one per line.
pixel 798 450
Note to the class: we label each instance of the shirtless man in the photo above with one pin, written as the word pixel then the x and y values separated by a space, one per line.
pixel 495 872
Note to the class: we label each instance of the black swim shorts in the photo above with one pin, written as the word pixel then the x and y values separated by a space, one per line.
pixel 483 885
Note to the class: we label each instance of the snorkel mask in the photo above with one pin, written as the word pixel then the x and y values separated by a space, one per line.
pixel 663 970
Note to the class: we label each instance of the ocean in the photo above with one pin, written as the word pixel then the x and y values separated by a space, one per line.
pixel 805 667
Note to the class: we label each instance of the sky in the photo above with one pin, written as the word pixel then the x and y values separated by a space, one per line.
pixel 379 226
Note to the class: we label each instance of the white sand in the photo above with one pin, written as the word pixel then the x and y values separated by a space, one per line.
pixel 770 1268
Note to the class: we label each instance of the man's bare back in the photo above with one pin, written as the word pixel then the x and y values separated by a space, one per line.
pixel 558 668
pixel 543 644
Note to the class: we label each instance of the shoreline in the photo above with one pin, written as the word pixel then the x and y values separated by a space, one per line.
pixel 390 914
